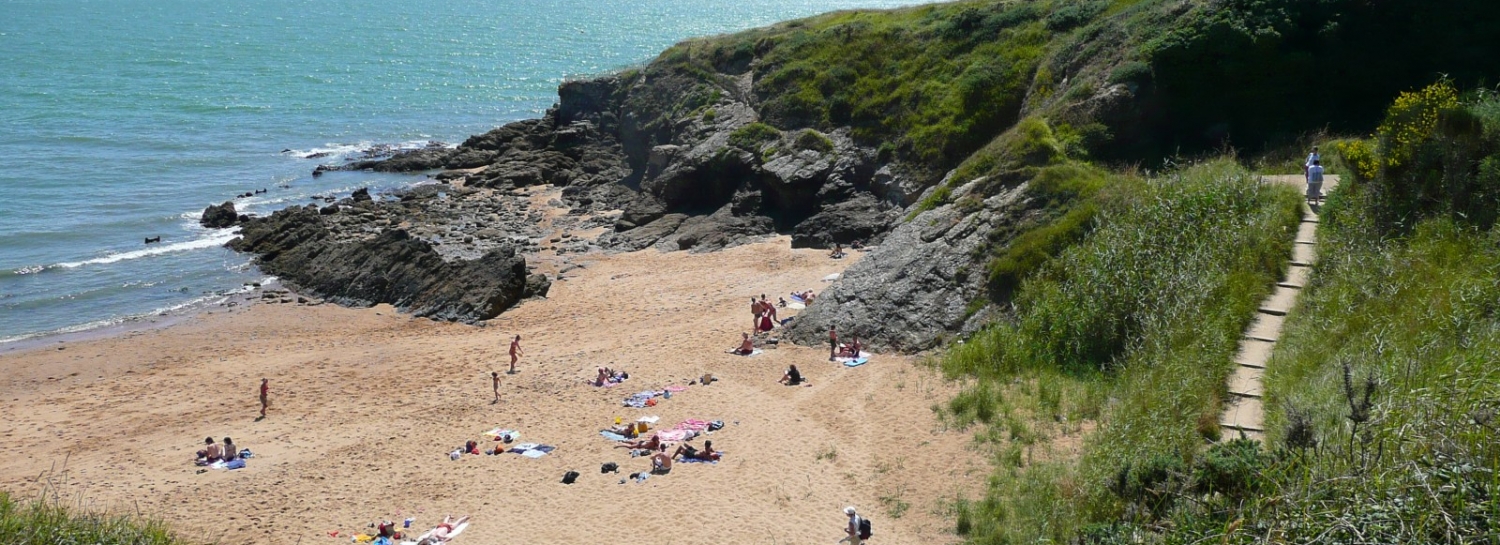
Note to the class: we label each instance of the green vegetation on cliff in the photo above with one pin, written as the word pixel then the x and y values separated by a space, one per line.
pixel 1381 396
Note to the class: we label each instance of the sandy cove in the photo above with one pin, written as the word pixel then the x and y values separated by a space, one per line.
pixel 366 404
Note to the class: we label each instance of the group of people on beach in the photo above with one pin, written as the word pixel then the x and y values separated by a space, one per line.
pixel 214 452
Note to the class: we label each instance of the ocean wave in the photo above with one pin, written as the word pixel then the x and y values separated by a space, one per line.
pixel 196 302
pixel 329 150
pixel 217 238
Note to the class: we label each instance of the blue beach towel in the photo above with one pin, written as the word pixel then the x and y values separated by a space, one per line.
pixel 856 362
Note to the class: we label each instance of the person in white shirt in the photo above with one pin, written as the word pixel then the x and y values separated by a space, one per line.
pixel 853 528
pixel 1312 158
pixel 1315 182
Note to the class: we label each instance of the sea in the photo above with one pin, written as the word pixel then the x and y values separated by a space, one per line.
pixel 122 119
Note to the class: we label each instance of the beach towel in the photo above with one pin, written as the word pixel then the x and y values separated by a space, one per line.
pixel 676 436
pixel 855 362
pixel 799 305
pixel 831 277
pixel 752 354
pixel 687 460
pixel 862 356
pixel 503 434
pixel 641 400
pixel 676 388
pixel 653 419
pixel 612 436
pixel 532 450
pixel 797 298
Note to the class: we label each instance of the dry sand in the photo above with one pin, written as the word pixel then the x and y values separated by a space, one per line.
pixel 366 404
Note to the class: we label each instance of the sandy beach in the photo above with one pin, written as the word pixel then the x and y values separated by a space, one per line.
pixel 366 404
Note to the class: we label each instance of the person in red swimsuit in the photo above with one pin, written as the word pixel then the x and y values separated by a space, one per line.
pixel 265 396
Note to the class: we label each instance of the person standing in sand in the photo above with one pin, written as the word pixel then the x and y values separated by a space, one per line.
pixel 766 306
pixel 515 353
pixel 833 343
pixel 755 311
pixel 495 384
pixel 265 396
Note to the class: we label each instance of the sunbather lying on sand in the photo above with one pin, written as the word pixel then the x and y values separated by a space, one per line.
pixel 443 532
pixel 650 443
pixel 708 453
pixel 747 346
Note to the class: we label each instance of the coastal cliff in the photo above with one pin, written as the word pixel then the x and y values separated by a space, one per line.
pixel 870 125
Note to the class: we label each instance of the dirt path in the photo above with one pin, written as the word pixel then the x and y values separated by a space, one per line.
pixel 1244 412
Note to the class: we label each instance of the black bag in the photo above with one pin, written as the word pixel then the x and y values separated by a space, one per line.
pixel 608 467
pixel 716 425
pixel 569 477
pixel 864 528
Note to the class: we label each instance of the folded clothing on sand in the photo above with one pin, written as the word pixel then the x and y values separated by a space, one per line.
pixel 642 400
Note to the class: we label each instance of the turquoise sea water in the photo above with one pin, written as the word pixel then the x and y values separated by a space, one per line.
pixel 122 119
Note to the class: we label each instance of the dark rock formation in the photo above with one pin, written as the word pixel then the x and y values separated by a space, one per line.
pixel 219 216
pixel 920 284
pixel 309 252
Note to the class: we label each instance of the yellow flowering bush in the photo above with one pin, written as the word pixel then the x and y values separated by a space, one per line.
pixel 1412 119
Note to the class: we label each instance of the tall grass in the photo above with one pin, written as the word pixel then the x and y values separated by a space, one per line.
pixel 1134 328
pixel 49 522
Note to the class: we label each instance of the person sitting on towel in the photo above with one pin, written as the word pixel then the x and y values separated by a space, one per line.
pixel 807 296
pixel 661 463
pixel 707 454
pixel 212 453
pixel 838 251
pixel 747 346
pixel 650 443
pixel 603 377
pixel 792 377
pixel 231 452
pixel 852 349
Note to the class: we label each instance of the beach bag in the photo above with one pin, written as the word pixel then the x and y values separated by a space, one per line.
pixel 608 467
pixel 864 528
pixel 569 477
pixel 716 425
pixel 235 464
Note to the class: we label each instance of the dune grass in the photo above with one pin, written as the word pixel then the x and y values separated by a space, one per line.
pixel 48 522
pixel 1132 329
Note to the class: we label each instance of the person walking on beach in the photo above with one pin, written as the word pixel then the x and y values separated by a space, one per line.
pixel 265 396
pixel 833 343
pixel 495 384
pixel 515 353
pixel 852 529
pixel 755 311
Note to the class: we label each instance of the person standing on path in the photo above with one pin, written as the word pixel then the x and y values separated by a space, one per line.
pixel 495 384
pixel 833 343
pixel 1312 159
pixel 1315 183
pixel 265 396
pixel 515 353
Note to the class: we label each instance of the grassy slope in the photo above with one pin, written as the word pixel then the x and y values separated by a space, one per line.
pixel 1132 328
pixel 47 523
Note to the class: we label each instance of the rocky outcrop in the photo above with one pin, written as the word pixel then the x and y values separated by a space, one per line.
pixel 219 216
pixel 922 283
pixel 304 248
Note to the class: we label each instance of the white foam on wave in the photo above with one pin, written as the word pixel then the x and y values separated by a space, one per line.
pixel 213 239
pixel 202 301
pixel 331 150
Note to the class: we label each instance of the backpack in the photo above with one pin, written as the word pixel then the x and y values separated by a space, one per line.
pixel 608 467
pixel 864 528
pixel 569 477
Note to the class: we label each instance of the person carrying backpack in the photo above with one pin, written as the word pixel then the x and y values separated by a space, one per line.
pixel 858 529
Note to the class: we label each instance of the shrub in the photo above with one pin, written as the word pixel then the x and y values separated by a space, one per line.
pixel 750 137
pixel 47 522
pixel 813 140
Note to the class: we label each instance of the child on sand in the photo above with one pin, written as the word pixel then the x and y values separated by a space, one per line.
pixel 265 396
pixel 833 343
pixel 495 384
pixel 793 377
